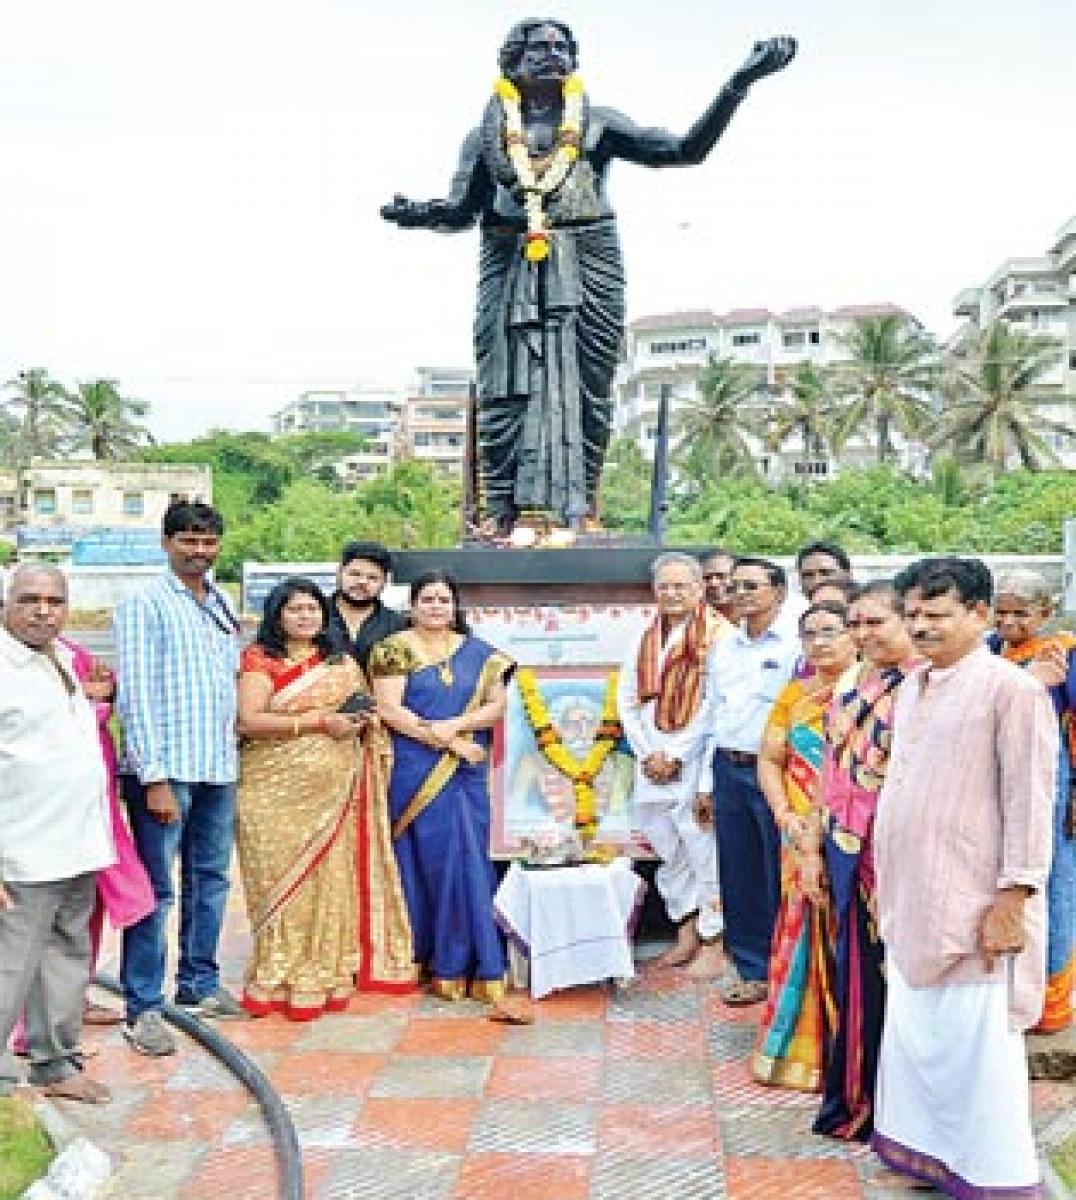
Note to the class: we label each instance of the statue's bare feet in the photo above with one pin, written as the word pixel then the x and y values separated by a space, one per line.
pixel 709 962
pixel 684 950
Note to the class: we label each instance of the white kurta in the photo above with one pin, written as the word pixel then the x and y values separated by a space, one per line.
pixel 687 877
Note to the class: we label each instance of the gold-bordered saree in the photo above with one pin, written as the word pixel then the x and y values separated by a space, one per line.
pixel 323 893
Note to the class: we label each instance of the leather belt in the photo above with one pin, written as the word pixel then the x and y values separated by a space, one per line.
pixel 738 758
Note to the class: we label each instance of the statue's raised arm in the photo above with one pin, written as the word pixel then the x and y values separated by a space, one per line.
pixel 550 315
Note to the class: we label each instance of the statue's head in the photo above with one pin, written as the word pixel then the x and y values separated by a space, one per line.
pixel 539 51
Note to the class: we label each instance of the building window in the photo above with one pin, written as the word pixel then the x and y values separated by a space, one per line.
pixel 82 502
pixel 1072 360
pixel 793 339
pixel 45 502
pixel 680 346
pixel 814 337
pixel 7 506
pixel 133 504
pixel 749 337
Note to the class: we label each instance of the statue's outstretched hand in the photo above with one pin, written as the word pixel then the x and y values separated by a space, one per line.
pixel 414 214
pixel 766 58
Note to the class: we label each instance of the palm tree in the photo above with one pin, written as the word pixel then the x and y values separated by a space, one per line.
pixel 36 407
pixel 996 404
pixel 806 411
pixel 105 422
pixel 886 382
pixel 712 434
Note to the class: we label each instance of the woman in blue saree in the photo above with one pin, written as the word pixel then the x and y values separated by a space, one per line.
pixel 440 691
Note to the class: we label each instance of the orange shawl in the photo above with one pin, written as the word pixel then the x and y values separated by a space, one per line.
pixel 676 684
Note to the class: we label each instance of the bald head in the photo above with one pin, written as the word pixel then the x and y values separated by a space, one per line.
pixel 36 605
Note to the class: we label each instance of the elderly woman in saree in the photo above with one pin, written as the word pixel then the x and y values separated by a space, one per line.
pixel 323 894
pixel 789 1050
pixel 839 869
pixel 441 690
pixel 1023 606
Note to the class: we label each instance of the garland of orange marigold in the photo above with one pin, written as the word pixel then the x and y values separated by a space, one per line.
pixel 581 771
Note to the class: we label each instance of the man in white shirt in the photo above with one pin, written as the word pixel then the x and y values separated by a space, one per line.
pixel 55 834
pixel 662 706
pixel 746 671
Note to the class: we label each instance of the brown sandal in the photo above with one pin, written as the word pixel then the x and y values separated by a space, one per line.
pixel 77 1087
pixel 744 992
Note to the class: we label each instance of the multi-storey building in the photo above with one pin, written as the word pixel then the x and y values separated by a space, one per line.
pixel 671 350
pixel 1039 296
pixel 373 412
pixel 435 418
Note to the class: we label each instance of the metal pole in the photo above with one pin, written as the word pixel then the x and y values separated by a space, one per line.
pixel 659 479
pixel 471 514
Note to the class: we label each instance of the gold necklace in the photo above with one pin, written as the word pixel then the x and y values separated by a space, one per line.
pixel 441 658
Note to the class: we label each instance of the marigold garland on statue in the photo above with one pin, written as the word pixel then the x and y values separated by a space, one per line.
pixel 566 150
pixel 582 772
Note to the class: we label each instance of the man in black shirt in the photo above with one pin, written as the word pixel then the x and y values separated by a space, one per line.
pixel 359 619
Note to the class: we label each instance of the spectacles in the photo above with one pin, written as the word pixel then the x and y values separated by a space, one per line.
pixel 822 635
pixel 716 575
pixel 748 585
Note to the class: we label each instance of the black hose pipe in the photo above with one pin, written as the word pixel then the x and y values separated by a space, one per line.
pixel 251 1076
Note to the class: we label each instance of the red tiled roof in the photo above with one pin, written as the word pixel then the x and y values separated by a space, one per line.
pixel 745 316
pixel 690 318
pixel 882 309
pixel 810 312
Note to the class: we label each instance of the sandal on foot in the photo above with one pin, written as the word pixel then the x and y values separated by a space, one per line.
pixel 77 1087
pixel 742 992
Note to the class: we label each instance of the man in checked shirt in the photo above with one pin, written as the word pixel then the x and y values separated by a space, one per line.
pixel 177 650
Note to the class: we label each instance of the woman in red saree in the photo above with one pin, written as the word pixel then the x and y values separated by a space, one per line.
pixel 323 895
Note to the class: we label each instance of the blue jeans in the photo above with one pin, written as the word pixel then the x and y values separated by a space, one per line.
pixel 748 852
pixel 202 838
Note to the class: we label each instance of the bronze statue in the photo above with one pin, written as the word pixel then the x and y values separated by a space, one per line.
pixel 550 315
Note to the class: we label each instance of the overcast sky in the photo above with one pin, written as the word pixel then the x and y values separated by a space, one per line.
pixel 189 192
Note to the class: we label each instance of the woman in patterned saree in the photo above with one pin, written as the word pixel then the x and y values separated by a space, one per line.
pixel 441 691
pixel 788 1052
pixel 323 895
pixel 858 728
pixel 1023 605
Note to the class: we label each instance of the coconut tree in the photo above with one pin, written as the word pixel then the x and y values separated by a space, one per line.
pixel 35 406
pixel 997 407
pixel 712 434
pixel 106 423
pixel 884 386
pixel 805 412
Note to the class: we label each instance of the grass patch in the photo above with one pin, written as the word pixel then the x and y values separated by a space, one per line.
pixel 25 1150
pixel 1063 1161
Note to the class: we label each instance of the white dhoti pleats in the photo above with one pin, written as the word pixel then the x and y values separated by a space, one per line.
pixel 953 1106
pixel 687 877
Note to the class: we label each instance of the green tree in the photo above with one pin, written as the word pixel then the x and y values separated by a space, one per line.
pixel 885 385
pixel 997 407
pixel 805 413
pixel 625 486
pixel 713 432
pixel 108 424
pixel 36 403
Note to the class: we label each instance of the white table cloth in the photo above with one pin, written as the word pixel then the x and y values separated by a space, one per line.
pixel 574 924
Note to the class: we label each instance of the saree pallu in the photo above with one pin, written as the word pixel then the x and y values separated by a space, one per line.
pixel 790 1045
pixel 440 812
pixel 859 726
pixel 1057 1009
pixel 298 838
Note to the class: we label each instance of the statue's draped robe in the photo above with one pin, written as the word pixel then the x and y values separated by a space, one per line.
pixel 548 335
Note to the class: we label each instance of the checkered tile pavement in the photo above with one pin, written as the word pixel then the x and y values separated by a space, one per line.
pixel 607 1096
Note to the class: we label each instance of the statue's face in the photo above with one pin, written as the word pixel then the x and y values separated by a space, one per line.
pixel 547 55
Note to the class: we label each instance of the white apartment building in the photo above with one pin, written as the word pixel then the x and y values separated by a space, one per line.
pixel 374 412
pixel 672 350
pixel 435 418
pixel 1039 296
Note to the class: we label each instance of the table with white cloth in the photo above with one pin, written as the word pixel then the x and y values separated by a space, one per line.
pixel 573 924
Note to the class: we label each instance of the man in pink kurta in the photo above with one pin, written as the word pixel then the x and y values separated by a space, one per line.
pixel 962 845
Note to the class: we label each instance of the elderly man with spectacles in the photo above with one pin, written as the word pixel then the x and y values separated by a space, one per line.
pixel 746 671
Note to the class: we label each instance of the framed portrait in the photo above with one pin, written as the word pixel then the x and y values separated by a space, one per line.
pixel 530 795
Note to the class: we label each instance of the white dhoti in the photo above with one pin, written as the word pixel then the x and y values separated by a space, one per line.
pixel 687 877
pixel 953 1103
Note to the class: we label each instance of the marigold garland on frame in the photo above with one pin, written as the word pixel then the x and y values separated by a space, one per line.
pixel 582 772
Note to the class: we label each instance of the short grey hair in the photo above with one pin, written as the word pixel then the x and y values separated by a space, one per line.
pixel 1028 585
pixel 23 569
pixel 674 558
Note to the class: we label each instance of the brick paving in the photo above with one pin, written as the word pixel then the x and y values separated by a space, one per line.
pixel 608 1096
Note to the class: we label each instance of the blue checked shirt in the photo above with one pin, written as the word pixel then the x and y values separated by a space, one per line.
pixel 177 661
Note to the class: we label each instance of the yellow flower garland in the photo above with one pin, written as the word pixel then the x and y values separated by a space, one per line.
pixel 582 772
pixel 565 152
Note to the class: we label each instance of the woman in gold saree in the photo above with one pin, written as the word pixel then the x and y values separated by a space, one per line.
pixel 323 894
